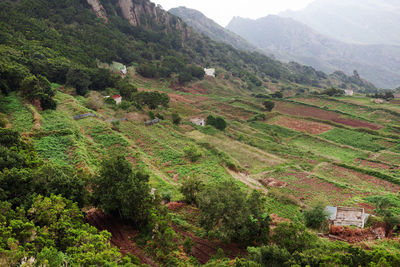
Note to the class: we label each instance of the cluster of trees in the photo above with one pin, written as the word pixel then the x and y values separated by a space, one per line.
pixel 333 92
pixel 228 212
pixel 217 122
pixel 388 95
pixel 40 209
pixel 269 105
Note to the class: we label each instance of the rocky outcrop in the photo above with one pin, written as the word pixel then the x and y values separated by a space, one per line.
pixel 145 13
pixel 98 9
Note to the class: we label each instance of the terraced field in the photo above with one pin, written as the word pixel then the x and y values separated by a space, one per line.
pixel 317 148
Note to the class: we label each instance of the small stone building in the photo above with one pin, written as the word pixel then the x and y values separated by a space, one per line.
pixel 210 72
pixel 117 99
pixel 345 216
pixel 198 121
pixel 349 92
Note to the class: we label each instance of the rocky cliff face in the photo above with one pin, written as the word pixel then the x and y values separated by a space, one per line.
pixel 98 9
pixel 145 13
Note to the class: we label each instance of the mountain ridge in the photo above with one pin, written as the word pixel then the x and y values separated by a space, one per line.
pixel 293 40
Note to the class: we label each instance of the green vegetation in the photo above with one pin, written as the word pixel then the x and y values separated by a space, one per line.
pixel 356 139
pixel 172 187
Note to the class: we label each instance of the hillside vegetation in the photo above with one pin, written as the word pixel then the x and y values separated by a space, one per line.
pixel 139 184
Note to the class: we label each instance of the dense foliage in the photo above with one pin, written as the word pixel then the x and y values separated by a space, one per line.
pixel 232 214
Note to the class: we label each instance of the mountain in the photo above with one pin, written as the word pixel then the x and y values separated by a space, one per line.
pixel 208 27
pixel 353 21
pixel 292 40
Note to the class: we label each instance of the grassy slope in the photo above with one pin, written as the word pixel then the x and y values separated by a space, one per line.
pixel 260 149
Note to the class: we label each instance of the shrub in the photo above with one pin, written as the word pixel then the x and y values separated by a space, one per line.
pixel 269 105
pixel 190 189
pixel 192 153
pixel 316 216
pixel 176 119
pixel 293 237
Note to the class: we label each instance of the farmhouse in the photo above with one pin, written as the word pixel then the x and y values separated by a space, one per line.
pixel 117 99
pixel 349 92
pixel 210 72
pixel 198 121
pixel 345 216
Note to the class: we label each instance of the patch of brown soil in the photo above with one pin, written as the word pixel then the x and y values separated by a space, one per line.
pixel 134 116
pixel 355 235
pixel 276 220
pixel 175 205
pixel 367 207
pixel 121 234
pixel 302 125
pixel 203 249
pixel 306 186
pixel 305 111
pixel 376 165
pixel 271 182
pixel 386 184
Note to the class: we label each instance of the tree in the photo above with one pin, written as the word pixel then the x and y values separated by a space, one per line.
pixel 269 105
pixel 119 191
pixel 315 216
pixel 190 188
pixel 220 123
pixel 185 77
pixel 210 120
pixel 277 94
pixel 293 237
pixel 232 214
pixel 79 78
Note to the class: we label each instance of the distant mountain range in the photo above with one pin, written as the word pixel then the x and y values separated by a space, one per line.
pixel 290 40
pixel 208 27
pixel 353 21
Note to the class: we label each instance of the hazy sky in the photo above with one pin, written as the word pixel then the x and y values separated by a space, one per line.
pixel 222 11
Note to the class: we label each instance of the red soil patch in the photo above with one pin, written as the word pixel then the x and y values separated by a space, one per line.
pixel 368 208
pixel 305 111
pixel 302 125
pixel 271 182
pixel 175 205
pixel 275 219
pixel 121 234
pixel 194 89
pixel 203 249
pixel 376 181
pixel 376 165
pixel 306 186
pixel 355 235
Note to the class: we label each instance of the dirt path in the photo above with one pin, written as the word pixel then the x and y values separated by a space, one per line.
pixel 248 180
pixel 121 234
pixel 36 118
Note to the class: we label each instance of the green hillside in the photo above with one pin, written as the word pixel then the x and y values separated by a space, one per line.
pixel 113 188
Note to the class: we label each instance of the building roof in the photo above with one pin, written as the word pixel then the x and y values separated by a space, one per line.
pixel 347 216
pixel 117 96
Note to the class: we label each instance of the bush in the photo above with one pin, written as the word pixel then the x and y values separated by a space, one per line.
pixel 192 153
pixel 269 105
pixel 293 237
pixel 190 188
pixel 176 119
pixel 218 122
pixel 316 216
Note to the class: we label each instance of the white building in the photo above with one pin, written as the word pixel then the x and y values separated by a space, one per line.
pixel 210 72
pixel 117 99
pixel 349 92
pixel 198 121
